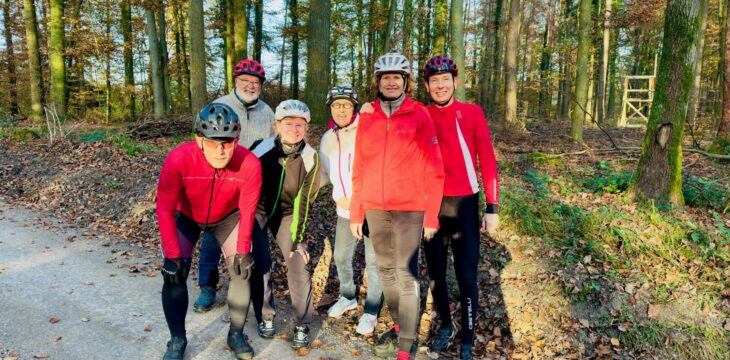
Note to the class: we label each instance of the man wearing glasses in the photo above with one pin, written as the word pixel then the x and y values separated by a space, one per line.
pixel 211 185
pixel 256 118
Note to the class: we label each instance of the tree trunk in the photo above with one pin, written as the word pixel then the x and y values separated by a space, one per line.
pixel 294 12
pixel 318 51
pixel 439 27
pixel 158 87
pixel 483 97
pixel 613 87
pixel 566 72
pixel 386 45
pixel 408 22
pixel 258 35
pixel 582 72
pixel 658 174
pixel 694 97
pixel 240 30
pixel 603 74
pixel 182 56
pixel 723 130
pixel 230 44
pixel 56 57
pixel 510 68
pixel 197 56
pixel 359 81
pixel 544 96
pixel 496 79
pixel 456 43
pixel 34 60
pixel 108 63
pixel 12 73
pixel 164 56
pixel 126 27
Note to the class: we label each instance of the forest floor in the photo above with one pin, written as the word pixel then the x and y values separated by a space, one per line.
pixel 577 269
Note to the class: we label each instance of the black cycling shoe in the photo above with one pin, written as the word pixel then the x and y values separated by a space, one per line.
pixel 445 335
pixel 175 348
pixel 465 353
pixel 301 337
pixel 266 329
pixel 238 342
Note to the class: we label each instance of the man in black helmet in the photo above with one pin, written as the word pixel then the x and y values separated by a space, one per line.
pixel 211 184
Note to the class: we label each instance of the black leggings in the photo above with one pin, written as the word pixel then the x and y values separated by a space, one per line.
pixel 396 237
pixel 175 296
pixel 459 220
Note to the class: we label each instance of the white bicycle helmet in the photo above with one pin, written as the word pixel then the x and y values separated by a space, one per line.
pixel 392 62
pixel 293 108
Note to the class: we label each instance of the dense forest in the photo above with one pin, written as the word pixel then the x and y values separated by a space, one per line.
pixel 588 101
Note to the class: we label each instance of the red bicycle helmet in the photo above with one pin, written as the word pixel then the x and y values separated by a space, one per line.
pixel 250 67
pixel 439 64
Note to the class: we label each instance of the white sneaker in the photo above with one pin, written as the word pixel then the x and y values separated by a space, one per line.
pixel 366 325
pixel 342 306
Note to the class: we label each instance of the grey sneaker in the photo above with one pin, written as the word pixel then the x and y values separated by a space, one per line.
pixel 266 329
pixel 238 342
pixel 205 300
pixel 175 348
pixel 342 306
pixel 301 337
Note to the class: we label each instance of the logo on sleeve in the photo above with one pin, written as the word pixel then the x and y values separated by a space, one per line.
pixel 434 140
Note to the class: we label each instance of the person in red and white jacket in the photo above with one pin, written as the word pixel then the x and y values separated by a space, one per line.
pixel 397 184
pixel 464 138
pixel 211 184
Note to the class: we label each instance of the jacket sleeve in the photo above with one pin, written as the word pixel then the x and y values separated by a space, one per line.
pixel 357 213
pixel 324 177
pixel 487 161
pixel 169 188
pixel 304 200
pixel 248 198
pixel 433 169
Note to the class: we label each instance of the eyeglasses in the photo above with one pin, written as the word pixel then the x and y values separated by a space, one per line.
pixel 247 83
pixel 342 106
pixel 215 145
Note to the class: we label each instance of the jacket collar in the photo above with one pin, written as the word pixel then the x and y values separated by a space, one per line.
pixel 408 106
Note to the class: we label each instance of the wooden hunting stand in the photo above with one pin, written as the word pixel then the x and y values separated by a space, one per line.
pixel 638 98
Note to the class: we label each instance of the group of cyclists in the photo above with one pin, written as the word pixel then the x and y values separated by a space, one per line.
pixel 401 173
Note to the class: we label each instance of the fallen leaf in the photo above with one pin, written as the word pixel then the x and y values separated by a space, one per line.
pixel 40 356
pixel 136 314
pixel 302 351
pixel 491 346
pixel 113 274
pixel 85 319
pixel 148 327
pixel 54 320
pixel 653 311
pixel 355 352
pixel 615 342
pixel 316 343
pixel 57 338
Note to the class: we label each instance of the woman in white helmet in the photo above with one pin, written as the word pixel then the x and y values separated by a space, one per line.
pixel 398 182
pixel 290 181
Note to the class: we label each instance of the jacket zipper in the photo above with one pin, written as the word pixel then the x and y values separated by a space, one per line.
pixel 281 185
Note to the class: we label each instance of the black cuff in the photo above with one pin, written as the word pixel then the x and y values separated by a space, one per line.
pixel 492 209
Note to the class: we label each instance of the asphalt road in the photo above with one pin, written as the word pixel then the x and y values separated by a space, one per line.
pixel 103 310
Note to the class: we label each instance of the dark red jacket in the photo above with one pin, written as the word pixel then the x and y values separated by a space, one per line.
pixel 463 137
pixel 397 164
pixel 186 183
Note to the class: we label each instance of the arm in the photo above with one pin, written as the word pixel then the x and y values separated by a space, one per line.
pixel 487 163
pixel 324 159
pixel 357 213
pixel 169 188
pixel 434 170
pixel 248 198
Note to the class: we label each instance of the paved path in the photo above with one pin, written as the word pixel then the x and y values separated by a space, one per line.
pixel 105 312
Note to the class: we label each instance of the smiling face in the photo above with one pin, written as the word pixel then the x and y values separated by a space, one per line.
pixel 342 110
pixel 441 88
pixel 248 87
pixel 217 153
pixel 291 129
pixel 391 85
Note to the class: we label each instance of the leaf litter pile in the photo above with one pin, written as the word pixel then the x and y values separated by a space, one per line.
pixel 576 270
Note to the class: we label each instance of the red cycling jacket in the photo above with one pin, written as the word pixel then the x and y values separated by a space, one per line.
pixel 397 164
pixel 187 182
pixel 463 136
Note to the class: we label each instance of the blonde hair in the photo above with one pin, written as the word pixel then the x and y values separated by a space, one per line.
pixel 410 85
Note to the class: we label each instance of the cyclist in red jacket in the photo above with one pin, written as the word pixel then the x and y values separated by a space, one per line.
pixel 211 184
pixel 397 183
pixel 463 137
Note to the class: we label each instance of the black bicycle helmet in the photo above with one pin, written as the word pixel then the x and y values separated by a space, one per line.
pixel 217 121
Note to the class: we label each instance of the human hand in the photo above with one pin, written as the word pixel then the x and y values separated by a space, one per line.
pixel 174 271
pixel 344 203
pixel 428 233
pixel 490 223
pixel 356 230
pixel 367 108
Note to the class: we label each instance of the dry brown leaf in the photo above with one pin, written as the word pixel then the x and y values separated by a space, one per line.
pixel 316 343
pixel 653 311
pixel 40 356
pixel 355 352
pixel 615 342
pixel 148 327
pixel 57 338
pixel 302 351
pixel 54 320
